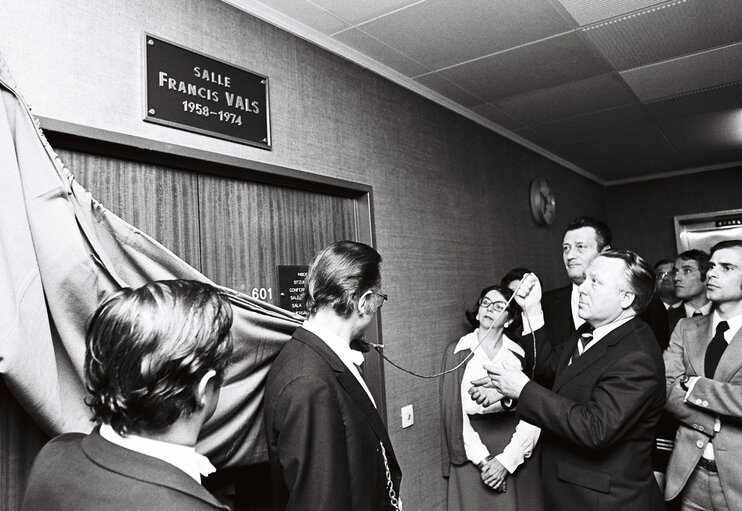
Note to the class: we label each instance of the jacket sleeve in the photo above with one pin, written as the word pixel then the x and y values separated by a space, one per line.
pixel 311 452
pixel 617 402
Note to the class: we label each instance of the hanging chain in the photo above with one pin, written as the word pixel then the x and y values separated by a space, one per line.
pixel 396 502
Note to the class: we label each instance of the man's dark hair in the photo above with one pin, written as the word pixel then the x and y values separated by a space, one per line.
pixel 603 235
pixel 663 261
pixel 726 244
pixel 700 257
pixel 147 349
pixel 639 275
pixel 471 314
pixel 340 274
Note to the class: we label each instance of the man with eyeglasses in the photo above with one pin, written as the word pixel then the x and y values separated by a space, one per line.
pixel 327 446
pixel 689 276
pixel 664 270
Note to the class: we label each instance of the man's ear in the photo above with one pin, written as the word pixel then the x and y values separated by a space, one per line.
pixel 202 388
pixel 627 299
pixel 364 303
pixel 607 247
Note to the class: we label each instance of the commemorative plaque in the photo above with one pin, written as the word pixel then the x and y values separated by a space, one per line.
pixel 291 288
pixel 187 90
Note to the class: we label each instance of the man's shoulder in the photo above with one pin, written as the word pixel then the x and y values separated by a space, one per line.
pixel 559 292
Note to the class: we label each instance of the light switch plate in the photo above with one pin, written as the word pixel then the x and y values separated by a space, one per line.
pixel 408 416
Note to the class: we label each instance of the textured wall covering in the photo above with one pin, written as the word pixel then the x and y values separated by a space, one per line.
pixel 641 214
pixel 450 198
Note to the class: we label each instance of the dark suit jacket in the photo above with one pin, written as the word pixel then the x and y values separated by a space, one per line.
pixel 674 315
pixel 598 421
pixel 324 433
pixel 559 324
pixel 76 472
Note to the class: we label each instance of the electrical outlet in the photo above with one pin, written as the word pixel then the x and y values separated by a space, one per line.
pixel 408 416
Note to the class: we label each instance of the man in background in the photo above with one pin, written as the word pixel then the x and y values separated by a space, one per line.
pixel 690 286
pixel 154 362
pixel 327 446
pixel 664 270
pixel 704 392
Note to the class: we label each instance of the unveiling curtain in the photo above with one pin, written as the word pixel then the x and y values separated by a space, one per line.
pixel 61 252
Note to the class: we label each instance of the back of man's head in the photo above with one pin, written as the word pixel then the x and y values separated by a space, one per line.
pixel 603 235
pixel 639 276
pixel 340 274
pixel 699 256
pixel 147 349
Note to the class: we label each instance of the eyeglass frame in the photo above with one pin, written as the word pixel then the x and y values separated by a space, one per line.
pixel 502 306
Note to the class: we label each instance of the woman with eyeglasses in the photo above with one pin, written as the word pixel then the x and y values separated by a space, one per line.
pixel 486 450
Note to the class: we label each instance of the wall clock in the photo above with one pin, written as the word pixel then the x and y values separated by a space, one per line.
pixel 543 202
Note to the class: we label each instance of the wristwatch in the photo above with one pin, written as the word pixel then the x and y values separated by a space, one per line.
pixel 684 379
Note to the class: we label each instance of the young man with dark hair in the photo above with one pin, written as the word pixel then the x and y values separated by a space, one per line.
pixel 704 392
pixel 599 418
pixel 154 363
pixel 690 286
pixel 327 446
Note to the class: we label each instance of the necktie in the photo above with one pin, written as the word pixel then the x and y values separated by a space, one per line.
pixel 586 335
pixel 697 313
pixel 715 349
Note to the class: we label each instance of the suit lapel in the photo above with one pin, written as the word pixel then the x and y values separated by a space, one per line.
pixel 731 360
pixel 145 468
pixel 697 338
pixel 591 356
pixel 351 386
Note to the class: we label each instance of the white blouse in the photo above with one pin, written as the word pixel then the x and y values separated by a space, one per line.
pixel 525 436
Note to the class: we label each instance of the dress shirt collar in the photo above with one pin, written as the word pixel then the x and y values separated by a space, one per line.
pixel 470 342
pixel 336 344
pixel 181 456
pixel 604 330
pixel 734 323
pixel 675 305
pixel 689 309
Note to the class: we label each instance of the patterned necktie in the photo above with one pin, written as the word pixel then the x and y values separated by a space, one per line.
pixel 586 335
pixel 715 349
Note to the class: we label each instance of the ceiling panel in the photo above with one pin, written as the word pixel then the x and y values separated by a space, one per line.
pixel 708 139
pixel 377 50
pixel 671 30
pixel 698 71
pixel 440 33
pixel 614 122
pixel 358 12
pixel 449 89
pixel 718 99
pixel 497 116
pixel 544 64
pixel 586 12
pixel 311 15
pixel 567 100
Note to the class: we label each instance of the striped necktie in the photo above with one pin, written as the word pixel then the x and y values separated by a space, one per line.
pixel 586 335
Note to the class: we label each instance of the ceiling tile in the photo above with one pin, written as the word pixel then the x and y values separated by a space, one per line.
pixel 709 139
pixel 567 100
pixel 686 74
pixel 670 30
pixel 358 12
pixel 714 100
pixel 441 33
pixel 377 50
pixel 497 116
pixel 586 12
pixel 643 150
pixel 309 14
pixel 548 63
pixel 610 122
pixel 450 90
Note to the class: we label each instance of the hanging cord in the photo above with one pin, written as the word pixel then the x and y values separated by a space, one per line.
pixel 378 347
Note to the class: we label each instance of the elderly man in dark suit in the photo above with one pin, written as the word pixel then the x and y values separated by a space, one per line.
pixel 704 392
pixel 154 362
pixel 598 420
pixel 327 446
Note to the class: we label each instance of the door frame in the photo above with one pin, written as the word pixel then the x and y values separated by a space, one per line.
pixel 76 137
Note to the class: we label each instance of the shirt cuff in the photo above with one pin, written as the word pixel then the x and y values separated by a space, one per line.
pixel 536 322
pixel 691 384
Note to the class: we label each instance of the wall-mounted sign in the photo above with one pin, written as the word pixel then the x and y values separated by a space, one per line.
pixel 291 288
pixel 187 90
